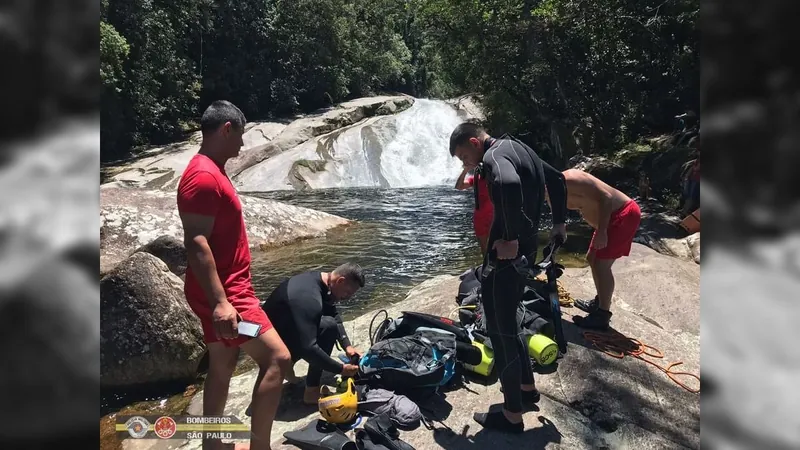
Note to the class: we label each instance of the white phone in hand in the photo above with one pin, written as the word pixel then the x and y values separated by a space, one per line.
pixel 249 328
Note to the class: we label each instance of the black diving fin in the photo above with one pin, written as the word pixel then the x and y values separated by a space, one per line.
pixel 381 434
pixel 319 435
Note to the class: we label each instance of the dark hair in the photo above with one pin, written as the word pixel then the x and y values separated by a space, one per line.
pixel 463 133
pixel 351 272
pixel 218 113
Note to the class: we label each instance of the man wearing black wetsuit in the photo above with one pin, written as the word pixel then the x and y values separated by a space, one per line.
pixel 516 177
pixel 303 311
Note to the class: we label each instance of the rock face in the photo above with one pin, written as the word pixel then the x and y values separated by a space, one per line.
pixel 592 401
pixel 687 248
pixel 660 230
pixel 161 168
pixel 407 149
pixel 148 333
pixel 658 158
pixel 306 128
pixel 131 218
pixel 169 250
pixel 468 107
pixel 603 168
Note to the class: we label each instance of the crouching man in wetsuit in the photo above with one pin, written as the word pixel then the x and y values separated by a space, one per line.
pixel 303 311
pixel 516 178
pixel 615 218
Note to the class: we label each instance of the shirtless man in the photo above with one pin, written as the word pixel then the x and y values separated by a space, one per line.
pixel 615 219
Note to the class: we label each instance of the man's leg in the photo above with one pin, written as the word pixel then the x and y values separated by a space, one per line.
pixel 274 361
pixel 326 338
pixel 502 292
pixel 600 316
pixel 604 281
pixel 221 364
pixel 590 305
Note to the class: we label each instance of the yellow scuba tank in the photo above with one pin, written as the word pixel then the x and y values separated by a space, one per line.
pixel 542 349
pixel 487 360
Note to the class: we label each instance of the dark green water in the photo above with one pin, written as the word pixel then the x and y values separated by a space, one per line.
pixel 401 237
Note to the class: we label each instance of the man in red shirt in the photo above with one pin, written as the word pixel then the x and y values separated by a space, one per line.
pixel 218 286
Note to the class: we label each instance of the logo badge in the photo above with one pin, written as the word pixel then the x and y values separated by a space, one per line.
pixel 165 427
pixel 137 426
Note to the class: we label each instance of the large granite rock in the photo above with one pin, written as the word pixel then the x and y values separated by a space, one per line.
pixel 148 333
pixel 131 218
pixel 592 401
pixel 170 250
pixel 469 107
pixel 161 168
pixel 391 151
pixel 314 125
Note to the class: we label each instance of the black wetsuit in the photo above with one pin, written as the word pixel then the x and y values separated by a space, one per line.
pixel 516 177
pixel 302 311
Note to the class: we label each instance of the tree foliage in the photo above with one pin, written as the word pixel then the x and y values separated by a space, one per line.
pixel 610 70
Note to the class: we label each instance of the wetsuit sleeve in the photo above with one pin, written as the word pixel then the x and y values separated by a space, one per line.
pixel 506 195
pixel 557 189
pixel 307 323
pixel 344 341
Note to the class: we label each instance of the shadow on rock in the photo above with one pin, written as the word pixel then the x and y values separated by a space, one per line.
pixel 434 407
pixel 532 438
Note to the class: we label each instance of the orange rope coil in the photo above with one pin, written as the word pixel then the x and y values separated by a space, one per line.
pixel 618 345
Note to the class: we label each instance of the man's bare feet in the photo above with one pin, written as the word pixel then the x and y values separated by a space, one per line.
pixel 311 396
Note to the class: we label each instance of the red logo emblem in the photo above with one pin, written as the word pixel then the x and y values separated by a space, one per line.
pixel 165 427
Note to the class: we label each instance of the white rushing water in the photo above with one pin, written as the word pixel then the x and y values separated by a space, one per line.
pixel 409 149
pixel 404 150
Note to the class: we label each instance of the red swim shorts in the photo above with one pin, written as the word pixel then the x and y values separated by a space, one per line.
pixel 621 230
pixel 249 309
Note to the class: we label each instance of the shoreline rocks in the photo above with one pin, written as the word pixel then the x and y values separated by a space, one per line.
pixel 131 218
pixel 148 333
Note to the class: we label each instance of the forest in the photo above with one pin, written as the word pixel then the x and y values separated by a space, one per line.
pixel 610 71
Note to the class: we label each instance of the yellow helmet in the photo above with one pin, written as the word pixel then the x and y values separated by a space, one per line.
pixel 340 408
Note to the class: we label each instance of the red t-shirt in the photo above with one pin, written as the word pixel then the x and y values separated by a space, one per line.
pixel 205 189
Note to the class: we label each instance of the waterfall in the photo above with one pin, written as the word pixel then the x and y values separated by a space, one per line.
pixel 409 149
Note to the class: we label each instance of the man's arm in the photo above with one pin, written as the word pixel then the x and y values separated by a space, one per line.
pixel 465 181
pixel 198 204
pixel 557 193
pixel 506 195
pixel 604 203
pixel 307 326
pixel 344 340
